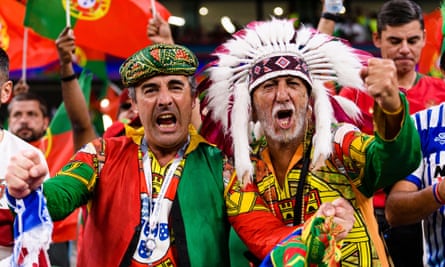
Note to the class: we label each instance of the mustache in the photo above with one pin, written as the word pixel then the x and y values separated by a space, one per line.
pixel 24 128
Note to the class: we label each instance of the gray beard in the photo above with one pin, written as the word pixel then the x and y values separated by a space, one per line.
pixel 285 136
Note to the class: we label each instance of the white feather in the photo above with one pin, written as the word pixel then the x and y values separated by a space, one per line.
pixel 240 133
pixel 322 139
pixel 328 60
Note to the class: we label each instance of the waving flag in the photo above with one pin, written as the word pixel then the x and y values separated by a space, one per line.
pixel 93 61
pixel 434 45
pixel 117 27
pixel 40 51
pixel 58 143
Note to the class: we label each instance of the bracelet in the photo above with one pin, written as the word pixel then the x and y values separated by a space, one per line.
pixel 392 113
pixel 69 78
pixel 331 16
pixel 436 194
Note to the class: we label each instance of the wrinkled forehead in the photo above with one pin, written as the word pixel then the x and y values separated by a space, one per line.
pixel 286 77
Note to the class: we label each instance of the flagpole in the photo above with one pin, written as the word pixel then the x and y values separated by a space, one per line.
pixel 153 8
pixel 67 12
pixel 24 53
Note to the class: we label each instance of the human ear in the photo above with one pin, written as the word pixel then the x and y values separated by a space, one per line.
pixel 5 91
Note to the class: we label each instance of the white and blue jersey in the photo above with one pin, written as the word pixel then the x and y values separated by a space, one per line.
pixel 430 124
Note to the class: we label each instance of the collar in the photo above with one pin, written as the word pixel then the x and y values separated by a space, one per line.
pixel 298 155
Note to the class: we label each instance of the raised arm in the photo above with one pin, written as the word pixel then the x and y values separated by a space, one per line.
pixel 396 139
pixel 407 205
pixel 327 21
pixel 159 32
pixel 73 98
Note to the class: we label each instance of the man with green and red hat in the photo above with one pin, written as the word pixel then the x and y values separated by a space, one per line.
pixel 155 197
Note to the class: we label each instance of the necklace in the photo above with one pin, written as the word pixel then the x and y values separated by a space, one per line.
pixel 155 204
pixel 271 200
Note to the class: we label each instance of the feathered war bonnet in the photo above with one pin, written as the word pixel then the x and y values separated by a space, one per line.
pixel 265 50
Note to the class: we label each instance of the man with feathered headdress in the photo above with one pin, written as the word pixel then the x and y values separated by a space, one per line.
pixel 290 151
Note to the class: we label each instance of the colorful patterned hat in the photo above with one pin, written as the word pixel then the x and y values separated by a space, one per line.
pixel 157 59
pixel 264 50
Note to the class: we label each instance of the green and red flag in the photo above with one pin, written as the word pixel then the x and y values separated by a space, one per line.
pixel 58 146
pixel 93 61
pixel 117 27
pixel 40 51
pixel 58 143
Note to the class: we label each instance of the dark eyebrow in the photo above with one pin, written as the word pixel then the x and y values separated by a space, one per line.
pixel 176 82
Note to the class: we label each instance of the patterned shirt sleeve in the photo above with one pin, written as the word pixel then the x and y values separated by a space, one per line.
pixel 373 162
pixel 72 186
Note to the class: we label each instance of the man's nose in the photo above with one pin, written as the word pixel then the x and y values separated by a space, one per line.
pixel 282 94
pixel 165 98
pixel 404 47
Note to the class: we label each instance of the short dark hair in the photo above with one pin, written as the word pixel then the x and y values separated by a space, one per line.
pixel 30 96
pixel 4 66
pixel 397 13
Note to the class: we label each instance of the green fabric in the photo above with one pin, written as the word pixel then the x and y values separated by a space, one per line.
pixel 237 249
pixel 202 174
pixel 69 191
pixel 99 68
pixel 60 122
pixel 381 169
pixel 158 59
pixel 46 17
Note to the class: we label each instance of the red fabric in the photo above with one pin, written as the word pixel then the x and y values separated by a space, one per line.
pixel 6 228
pixel 40 51
pixel 247 225
pixel 43 259
pixel 115 129
pixel 117 33
pixel 246 229
pixel 113 211
pixel 429 57
pixel 112 109
pixel 366 104
pixel 429 91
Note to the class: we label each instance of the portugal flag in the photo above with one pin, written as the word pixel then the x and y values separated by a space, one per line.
pixel 117 27
pixel 40 51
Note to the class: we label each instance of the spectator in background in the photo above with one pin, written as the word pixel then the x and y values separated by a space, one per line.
pixel 421 196
pixel 28 119
pixel 127 111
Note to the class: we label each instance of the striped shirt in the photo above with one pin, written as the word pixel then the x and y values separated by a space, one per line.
pixel 430 124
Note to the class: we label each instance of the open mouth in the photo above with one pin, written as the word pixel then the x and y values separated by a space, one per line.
pixel 284 118
pixel 166 120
